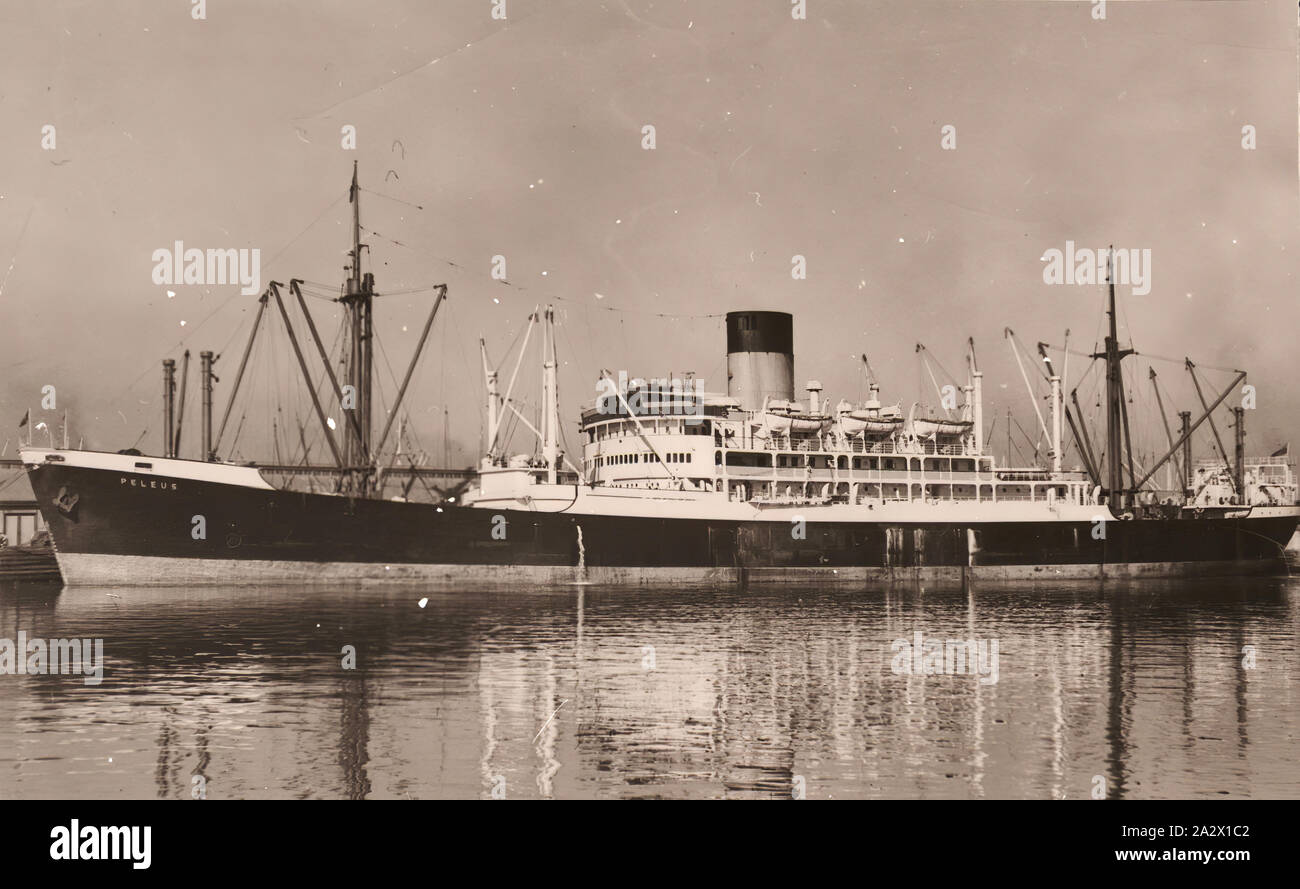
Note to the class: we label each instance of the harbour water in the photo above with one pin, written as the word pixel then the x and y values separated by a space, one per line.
pixel 1155 689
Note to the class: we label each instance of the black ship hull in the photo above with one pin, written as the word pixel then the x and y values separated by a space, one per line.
pixel 113 527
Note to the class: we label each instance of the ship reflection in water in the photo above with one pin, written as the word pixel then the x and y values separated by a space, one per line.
pixel 590 692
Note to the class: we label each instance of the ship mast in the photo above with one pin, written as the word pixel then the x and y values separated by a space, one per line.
pixel 1116 413
pixel 550 399
pixel 357 459
pixel 977 392
pixel 358 301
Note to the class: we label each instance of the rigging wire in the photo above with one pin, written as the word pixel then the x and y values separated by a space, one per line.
pixel 195 329
pixel 546 294
pixel 471 372
pixel 1147 355
pixel 388 197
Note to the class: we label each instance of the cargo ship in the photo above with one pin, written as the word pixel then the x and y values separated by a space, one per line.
pixel 674 485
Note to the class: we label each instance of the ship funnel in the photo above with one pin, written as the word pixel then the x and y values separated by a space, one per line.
pixel 760 357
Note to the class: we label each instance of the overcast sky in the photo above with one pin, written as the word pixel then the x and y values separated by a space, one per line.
pixel 523 138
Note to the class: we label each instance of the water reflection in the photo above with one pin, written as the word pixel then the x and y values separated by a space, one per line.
pixel 1141 688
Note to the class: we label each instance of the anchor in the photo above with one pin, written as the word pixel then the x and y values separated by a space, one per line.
pixel 67 502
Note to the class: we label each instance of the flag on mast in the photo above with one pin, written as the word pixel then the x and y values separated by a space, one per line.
pixel 27 416
pixel 1284 451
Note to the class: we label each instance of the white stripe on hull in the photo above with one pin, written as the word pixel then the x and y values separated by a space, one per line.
pixel 81 569
pixel 161 467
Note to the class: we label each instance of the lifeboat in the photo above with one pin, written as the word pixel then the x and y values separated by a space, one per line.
pixel 851 425
pixel 809 422
pixel 883 425
pixel 789 416
pixel 931 426
pixel 870 419
pixel 776 416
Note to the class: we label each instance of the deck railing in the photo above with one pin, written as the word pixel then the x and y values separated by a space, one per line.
pixel 833 445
